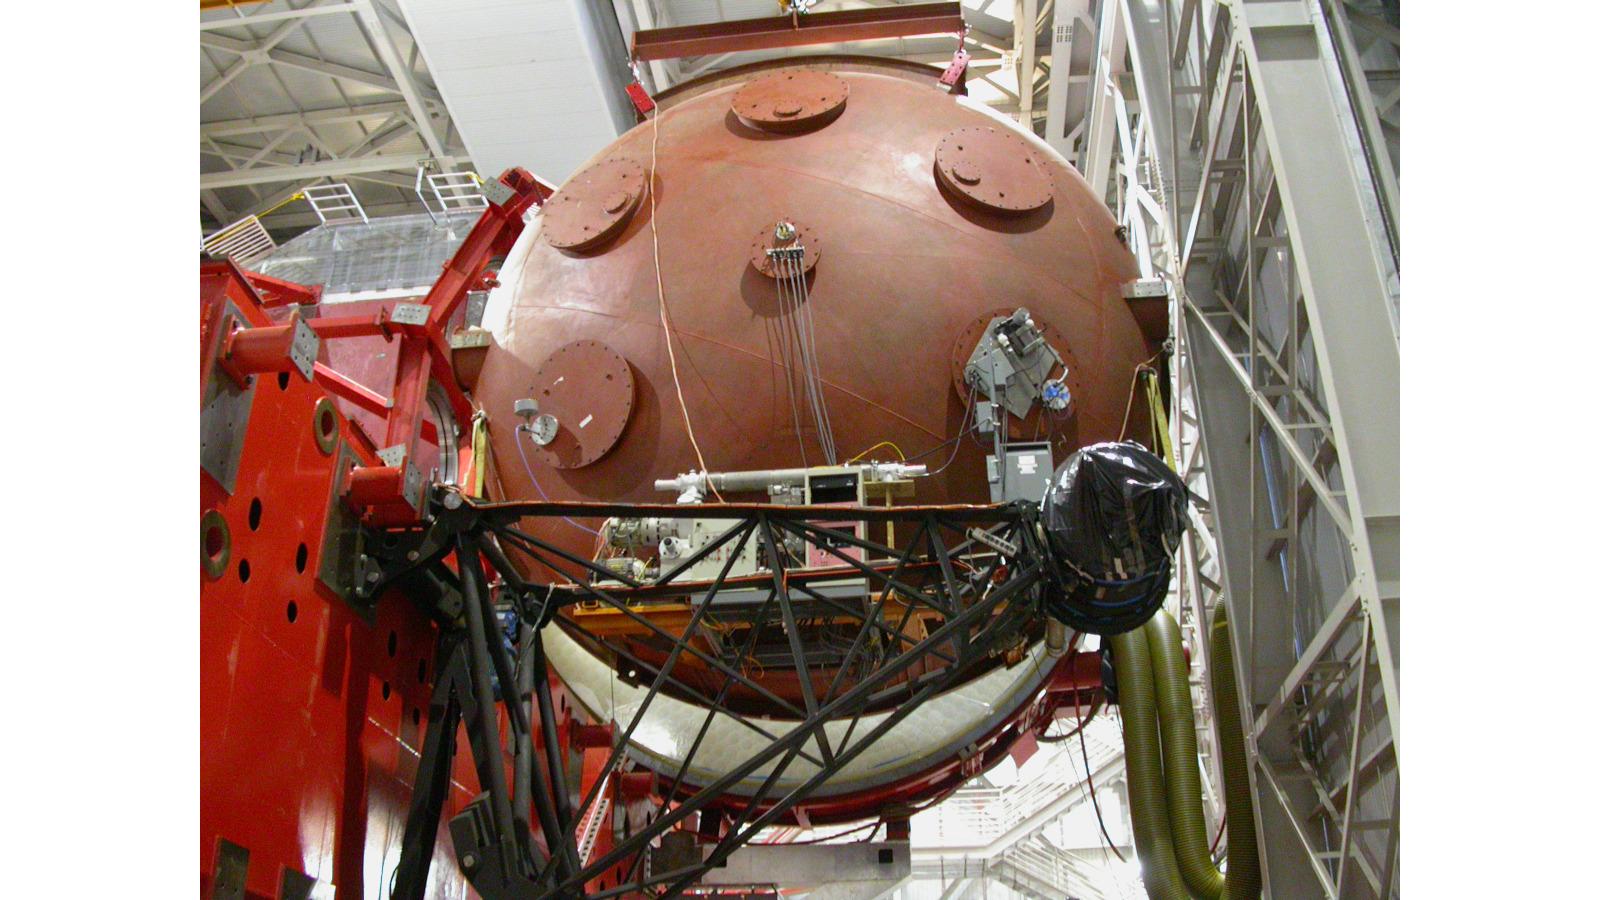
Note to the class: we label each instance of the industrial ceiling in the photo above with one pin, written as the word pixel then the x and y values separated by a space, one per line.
pixel 361 92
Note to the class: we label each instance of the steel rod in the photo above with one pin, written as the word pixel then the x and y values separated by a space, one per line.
pixel 471 584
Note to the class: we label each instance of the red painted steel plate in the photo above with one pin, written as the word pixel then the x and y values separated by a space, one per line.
pixel 795 100
pixel 594 205
pixel 588 387
pixel 767 239
pixel 994 170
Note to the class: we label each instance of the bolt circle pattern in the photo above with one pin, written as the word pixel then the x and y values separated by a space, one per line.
pixel 765 240
pixel 993 170
pixel 588 388
pixel 792 100
pixel 967 341
pixel 594 205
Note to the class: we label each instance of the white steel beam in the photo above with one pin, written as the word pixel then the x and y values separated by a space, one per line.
pixel 252 52
pixel 1283 186
pixel 256 18
pixel 1070 31
pixel 346 73
pixel 392 129
pixel 329 116
pixel 1025 21
pixel 1110 50
pixel 216 207
pixel 1346 295
pixel 293 60
pixel 237 156
pixel 400 72
pixel 333 168
pixel 228 75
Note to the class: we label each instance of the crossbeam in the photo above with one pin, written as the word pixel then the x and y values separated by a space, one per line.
pixel 839 26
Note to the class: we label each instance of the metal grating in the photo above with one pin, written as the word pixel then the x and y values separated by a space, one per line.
pixel 244 242
pixel 384 254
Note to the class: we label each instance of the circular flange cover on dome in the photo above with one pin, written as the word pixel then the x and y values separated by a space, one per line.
pixel 791 100
pixel 767 239
pixel 588 388
pixel 594 205
pixel 993 170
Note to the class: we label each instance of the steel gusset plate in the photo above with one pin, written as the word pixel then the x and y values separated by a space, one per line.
pixel 224 414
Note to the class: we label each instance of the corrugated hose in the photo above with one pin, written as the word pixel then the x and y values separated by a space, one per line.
pixel 1163 770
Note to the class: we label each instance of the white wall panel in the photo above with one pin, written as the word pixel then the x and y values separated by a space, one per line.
pixel 520 85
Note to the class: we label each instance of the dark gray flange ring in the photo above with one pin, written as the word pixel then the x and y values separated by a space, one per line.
pixel 215 563
pixel 325 426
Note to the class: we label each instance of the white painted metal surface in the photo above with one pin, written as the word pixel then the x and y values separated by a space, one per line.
pixel 935 730
pixel 518 79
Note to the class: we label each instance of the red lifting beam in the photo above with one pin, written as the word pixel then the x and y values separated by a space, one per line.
pixel 772 33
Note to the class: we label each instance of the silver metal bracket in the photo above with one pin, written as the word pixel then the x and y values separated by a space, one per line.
pixel 477 302
pixel 411 488
pixel 303 348
pixel 224 415
pixel 1146 288
pixel 410 314
pixel 1003 547
pixel 495 192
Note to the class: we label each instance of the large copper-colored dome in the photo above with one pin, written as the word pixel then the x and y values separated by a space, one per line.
pixel 906 266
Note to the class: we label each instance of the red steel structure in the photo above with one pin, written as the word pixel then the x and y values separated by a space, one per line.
pixel 313 712
pixel 318 691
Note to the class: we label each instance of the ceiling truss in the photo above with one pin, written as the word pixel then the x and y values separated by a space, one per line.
pixel 390 120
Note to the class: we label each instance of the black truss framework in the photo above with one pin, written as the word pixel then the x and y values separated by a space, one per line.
pixel 986 601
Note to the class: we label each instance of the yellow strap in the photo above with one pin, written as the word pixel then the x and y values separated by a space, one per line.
pixel 480 451
pixel 1158 419
pixel 284 202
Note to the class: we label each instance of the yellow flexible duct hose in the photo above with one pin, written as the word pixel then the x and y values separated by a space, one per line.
pixel 1163 771
pixel 1180 757
pixel 1244 865
pixel 1152 834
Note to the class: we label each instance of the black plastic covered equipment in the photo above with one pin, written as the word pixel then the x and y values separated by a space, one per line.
pixel 1112 516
